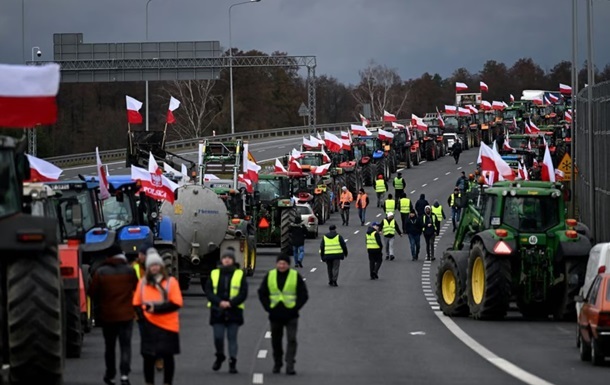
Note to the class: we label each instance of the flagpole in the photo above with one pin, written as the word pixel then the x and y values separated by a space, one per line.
pixel 164 135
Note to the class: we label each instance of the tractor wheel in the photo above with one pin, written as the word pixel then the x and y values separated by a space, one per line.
pixel 34 320
pixel 417 158
pixel 87 320
pixel 318 207
pixel 488 284
pixel 408 163
pixel 250 256
pixel 352 183
pixel 74 326
pixel 392 161
pixel 450 287
pixel 430 151
pixel 564 306
pixel 288 217
pixel 327 205
pixel 170 259
pixel 367 175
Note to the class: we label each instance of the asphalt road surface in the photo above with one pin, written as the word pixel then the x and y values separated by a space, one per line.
pixel 367 332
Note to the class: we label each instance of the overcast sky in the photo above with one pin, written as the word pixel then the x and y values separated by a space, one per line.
pixel 413 36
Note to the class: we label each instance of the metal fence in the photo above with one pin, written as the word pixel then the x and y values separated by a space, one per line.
pixel 592 160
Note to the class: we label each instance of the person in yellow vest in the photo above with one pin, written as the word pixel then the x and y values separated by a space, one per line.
pixel 389 228
pixel 333 250
pixel 437 210
pixel 374 247
pixel 283 293
pixel 430 224
pixel 346 202
pixel 362 201
pixel 405 206
pixel 227 291
pixel 455 201
pixel 399 186
pixel 389 206
pixel 381 186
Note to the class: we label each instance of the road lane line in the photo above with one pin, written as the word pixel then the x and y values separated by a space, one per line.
pixel 435 179
pixel 437 308
pixel 427 291
pixel 313 269
pixel 423 161
pixel 400 169
pixel 426 287
pixel 267 335
pixel 282 147
pixel 257 378
pixel 471 163
pixel 424 185
pixel 356 232
pixel 448 172
pixel 378 215
pixel 262 150
pixel 459 168
pixel 367 223
pixel 262 354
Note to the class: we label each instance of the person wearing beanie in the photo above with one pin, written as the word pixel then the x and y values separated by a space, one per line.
pixel 111 290
pixel 156 301
pixel 374 248
pixel 430 224
pixel 298 233
pixel 283 293
pixel 420 205
pixel 362 201
pixel 333 250
pixel 389 229
pixel 227 291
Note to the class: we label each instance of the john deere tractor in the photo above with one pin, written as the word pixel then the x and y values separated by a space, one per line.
pixel 514 243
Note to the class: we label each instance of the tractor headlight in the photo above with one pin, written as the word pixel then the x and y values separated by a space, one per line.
pixel 513 193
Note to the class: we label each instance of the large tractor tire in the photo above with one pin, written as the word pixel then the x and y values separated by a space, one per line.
pixel 417 158
pixel 170 259
pixel 392 162
pixel 451 287
pixel 87 319
pixel 318 207
pixel 430 151
pixel 35 320
pixel 488 284
pixel 382 168
pixel 327 205
pixel 74 326
pixel 352 183
pixel 367 175
pixel 408 162
pixel 564 306
pixel 288 217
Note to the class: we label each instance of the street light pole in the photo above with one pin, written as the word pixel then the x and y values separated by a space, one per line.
pixel 591 81
pixel 231 64
pixel 574 93
pixel 146 82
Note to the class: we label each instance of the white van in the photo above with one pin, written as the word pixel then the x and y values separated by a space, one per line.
pixel 599 262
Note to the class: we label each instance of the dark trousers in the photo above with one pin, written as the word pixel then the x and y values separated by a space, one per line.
pixel 168 369
pixel 455 216
pixel 399 194
pixel 121 331
pixel 429 245
pixel 277 336
pixel 403 220
pixel 345 215
pixel 332 266
pixel 375 261
pixel 456 156
pixel 362 215
pixel 230 330
pixel 415 243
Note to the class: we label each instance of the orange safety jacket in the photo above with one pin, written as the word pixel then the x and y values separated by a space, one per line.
pixel 346 199
pixel 146 293
pixel 361 201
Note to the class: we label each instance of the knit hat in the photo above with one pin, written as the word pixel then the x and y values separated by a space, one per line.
pixel 344 188
pixel 390 215
pixel 153 258
pixel 283 257
pixel 332 227
pixel 228 253
pixel 428 208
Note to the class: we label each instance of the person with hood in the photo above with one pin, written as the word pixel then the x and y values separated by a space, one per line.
pixel 283 293
pixel 389 228
pixel 333 250
pixel 420 205
pixel 456 150
pixel 413 228
pixel 227 291
pixel 157 300
pixel 374 247
pixel 112 288
pixel 362 201
pixel 461 183
pixel 437 210
pixel 298 233
pixel 430 225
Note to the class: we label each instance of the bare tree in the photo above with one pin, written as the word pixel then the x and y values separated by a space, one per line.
pixel 199 107
pixel 382 88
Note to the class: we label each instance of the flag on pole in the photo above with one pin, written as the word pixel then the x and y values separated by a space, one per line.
pixel 332 142
pixel 387 117
pixel 483 87
pixel 155 185
pixel 133 110
pixel 173 105
pixel 512 98
pixel 101 174
pixel 279 167
pixel 460 86
pixel 450 109
pixel 547 171
pixel 364 120
pixel 42 171
pixel 152 163
pixel 565 89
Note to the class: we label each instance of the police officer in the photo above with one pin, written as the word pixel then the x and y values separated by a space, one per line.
pixel 333 250
pixel 405 207
pixel 389 205
pixel 399 186
pixel 380 188
pixel 374 247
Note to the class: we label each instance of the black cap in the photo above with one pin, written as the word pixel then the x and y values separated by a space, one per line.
pixel 283 257
pixel 332 227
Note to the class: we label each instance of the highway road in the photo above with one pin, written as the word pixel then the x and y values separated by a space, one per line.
pixel 387 331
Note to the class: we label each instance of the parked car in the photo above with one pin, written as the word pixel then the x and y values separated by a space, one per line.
pixel 449 139
pixel 309 218
pixel 594 321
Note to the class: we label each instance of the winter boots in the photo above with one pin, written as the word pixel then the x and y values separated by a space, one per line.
pixel 220 358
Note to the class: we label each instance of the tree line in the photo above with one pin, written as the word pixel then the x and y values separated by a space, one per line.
pixel 94 114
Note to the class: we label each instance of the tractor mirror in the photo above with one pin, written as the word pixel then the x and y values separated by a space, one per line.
pixel 579 299
pixel 75 213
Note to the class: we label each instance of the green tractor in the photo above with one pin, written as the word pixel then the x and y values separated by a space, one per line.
pixel 514 243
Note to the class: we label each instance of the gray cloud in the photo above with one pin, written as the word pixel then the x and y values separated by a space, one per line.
pixel 413 36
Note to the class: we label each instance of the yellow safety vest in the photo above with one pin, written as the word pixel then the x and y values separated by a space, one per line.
pixel 332 246
pixel 371 242
pixel 380 186
pixel 398 183
pixel 389 228
pixel 438 211
pixel 238 274
pixel 136 267
pixel 452 199
pixel 405 205
pixel 390 206
pixel 288 295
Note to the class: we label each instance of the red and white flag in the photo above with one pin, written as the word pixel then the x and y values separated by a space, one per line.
pixel 346 139
pixel 42 171
pixel 568 116
pixel 360 130
pixel 152 163
pixel 101 174
pixel 565 89
pixel 295 166
pixel 310 143
pixel 279 167
pixel 460 87
pixel 325 157
pixel 296 154
pixel 387 117
pixel 332 142
pixel 547 102
pixel 531 128
pixel 398 125
pixel 493 163
pixel 322 170
pixel 472 109
pixel 364 120
pixel 483 87
pixel 559 175
pixel 498 106
pixel 155 185
pixel 485 105
pixel 547 171
pixel 173 105
pixel 512 98
pixel 241 178
pixel 450 109
pixel 463 111
pixel 538 101
pixel 441 122
pixel 553 98
pixel 28 95
pixel 385 135
pixel 252 170
pixel 523 174
pixel 506 145
pixel 418 123
pixel 133 110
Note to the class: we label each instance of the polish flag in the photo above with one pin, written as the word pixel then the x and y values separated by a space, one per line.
pixel 463 111
pixel 252 170
pixel 332 142
pixel 493 163
pixel 385 135
pixel 101 174
pixel 460 87
pixel 398 125
pixel 387 117
pixel 450 109
pixel 494 147
pixel 441 122
pixel 241 178
pixel 279 167
pixel 42 171
pixel 346 139
pixel 133 110
pixel 523 174
pixel 533 128
pixel 364 120
pixel 565 89
pixel 472 109
pixel 512 98
pixel 498 106
pixel 485 105
pixel 418 123
pixel 547 102
pixel 309 143
pixel 155 185
pixel 152 164
pixel 325 156
pixel 295 154
pixel 173 105
pixel 360 130
pixel 547 171
pixel 322 170
pixel 27 95
pixel 537 101
pixel 295 166
pixel 504 104
pixel 553 98
pixel 559 175
pixel 506 145
pixel 568 116
pixel 483 87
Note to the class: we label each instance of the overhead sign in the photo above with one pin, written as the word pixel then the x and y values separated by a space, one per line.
pixel 303 110
pixel 566 167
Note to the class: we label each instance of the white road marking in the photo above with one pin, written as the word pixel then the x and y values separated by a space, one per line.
pixel 267 335
pixel 435 308
pixel 304 279
pixel 282 147
pixel 378 215
pixel 262 150
pixel 262 353
pixel 412 192
pixel 424 185
pixel 435 179
pixel 448 172
pixel 423 161
pixel 459 168
pixel 314 269
pixel 367 223
pixel 257 378
pixel 346 240
pixel 400 169
pixel 427 291
pixel 499 362
pixel 419 333
pixel 471 163
pixel 426 287
pixel 356 232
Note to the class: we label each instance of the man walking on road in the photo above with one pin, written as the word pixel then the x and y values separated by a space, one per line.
pixel 389 228
pixel 374 247
pixel 298 233
pixel 405 207
pixel 333 249
pixel 454 201
pixel 380 189
pixel 413 228
pixel 430 225
pixel 456 150
pixel 112 287
pixel 461 182
pixel 420 205
pixel 346 201
pixel 437 210
pixel 283 293
pixel 399 186
pixel 362 201
pixel 389 205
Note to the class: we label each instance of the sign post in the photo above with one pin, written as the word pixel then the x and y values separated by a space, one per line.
pixel 303 112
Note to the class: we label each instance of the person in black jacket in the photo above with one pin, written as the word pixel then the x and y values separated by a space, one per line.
pixel 226 300
pixel 283 311
pixel 431 226
pixel 374 247
pixel 298 233
pixel 420 205
pixel 333 250
pixel 413 228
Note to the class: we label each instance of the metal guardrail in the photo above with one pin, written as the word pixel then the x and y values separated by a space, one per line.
pixel 120 154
